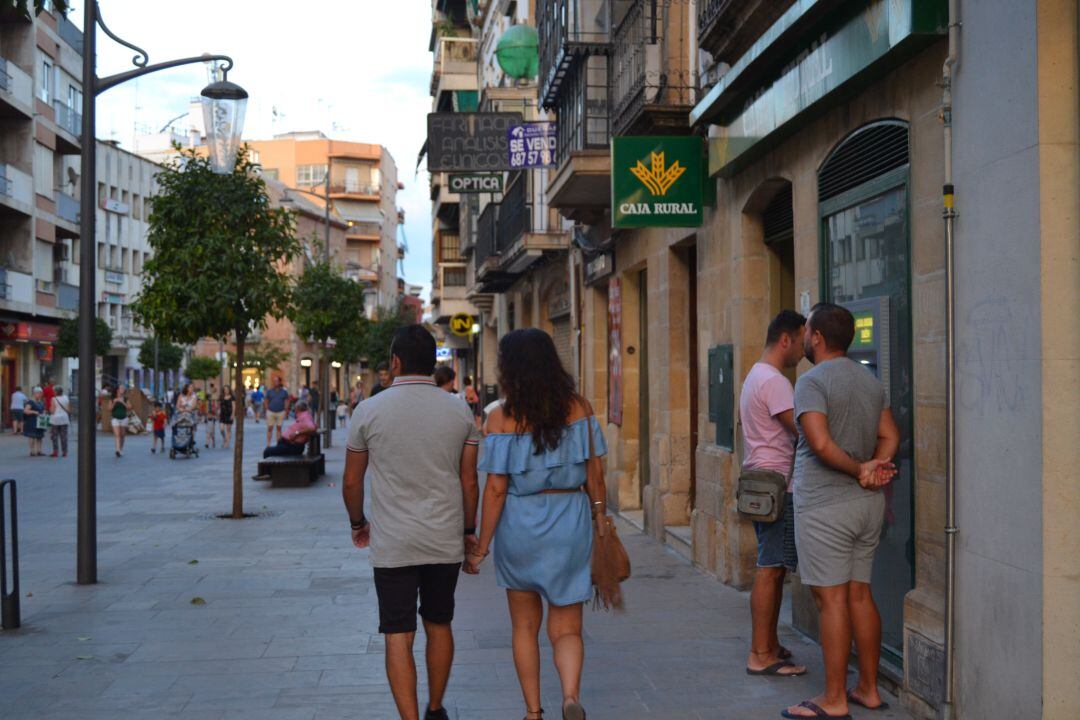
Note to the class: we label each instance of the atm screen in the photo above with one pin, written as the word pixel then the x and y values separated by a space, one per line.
pixel 864 331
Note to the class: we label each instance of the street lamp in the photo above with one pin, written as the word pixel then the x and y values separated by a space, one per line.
pixel 223 95
pixel 223 105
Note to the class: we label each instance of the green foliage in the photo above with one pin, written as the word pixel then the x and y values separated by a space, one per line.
pixel 169 356
pixel 67 343
pixel 264 355
pixel 219 253
pixel 22 7
pixel 325 304
pixel 203 368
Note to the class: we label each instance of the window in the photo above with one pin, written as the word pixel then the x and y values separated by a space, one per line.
pixel 270 173
pixel 43 171
pixel 310 174
pixel 74 99
pixel 449 247
pixel 45 82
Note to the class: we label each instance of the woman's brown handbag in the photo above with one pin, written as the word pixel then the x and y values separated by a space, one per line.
pixel 610 562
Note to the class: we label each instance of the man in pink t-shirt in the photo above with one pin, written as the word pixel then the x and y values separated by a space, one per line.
pixel 766 410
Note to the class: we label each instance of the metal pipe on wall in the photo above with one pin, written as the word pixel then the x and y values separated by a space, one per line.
pixel 949 213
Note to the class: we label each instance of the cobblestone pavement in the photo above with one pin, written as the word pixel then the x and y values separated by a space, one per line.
pixel 275 618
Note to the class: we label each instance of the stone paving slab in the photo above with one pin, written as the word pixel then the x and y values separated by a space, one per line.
pixel 287 624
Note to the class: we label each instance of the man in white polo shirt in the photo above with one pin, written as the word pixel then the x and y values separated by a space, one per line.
pixel 421 445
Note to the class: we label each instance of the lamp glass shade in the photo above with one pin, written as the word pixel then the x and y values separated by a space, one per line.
pixel 517 52
pixel 224 104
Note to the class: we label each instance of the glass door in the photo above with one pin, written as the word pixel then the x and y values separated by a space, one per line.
pixel 866 257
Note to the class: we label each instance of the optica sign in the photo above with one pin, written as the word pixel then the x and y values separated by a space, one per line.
pixel 474 183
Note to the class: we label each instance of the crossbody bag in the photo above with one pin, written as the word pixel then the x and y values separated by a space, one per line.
pixel 760 495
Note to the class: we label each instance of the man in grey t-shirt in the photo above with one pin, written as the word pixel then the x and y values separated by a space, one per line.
pixel 421 445
pixel 847 439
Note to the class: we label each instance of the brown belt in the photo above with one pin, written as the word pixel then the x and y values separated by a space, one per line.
pixel 560 492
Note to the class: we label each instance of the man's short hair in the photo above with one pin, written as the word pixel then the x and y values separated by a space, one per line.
pixel 835 323
pixel 382 367
pixel 414 346
pixel 787 322
pixel 300 406
pixel 444 374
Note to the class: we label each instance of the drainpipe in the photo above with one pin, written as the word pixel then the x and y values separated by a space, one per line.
pixel 949 213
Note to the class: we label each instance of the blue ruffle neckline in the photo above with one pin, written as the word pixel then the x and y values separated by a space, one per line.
pixel 510 453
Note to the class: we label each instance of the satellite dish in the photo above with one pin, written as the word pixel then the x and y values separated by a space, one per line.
pixel 593 238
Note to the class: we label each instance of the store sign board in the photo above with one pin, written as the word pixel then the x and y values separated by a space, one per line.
pixel 532 145
pixel 656 181
pixel 470 142
pixel 474 183
pixel 461 324
pixel 600 267
pixel 28 332
pixel 817 70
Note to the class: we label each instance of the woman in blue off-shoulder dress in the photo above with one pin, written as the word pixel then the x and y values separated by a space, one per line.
pixel 545 483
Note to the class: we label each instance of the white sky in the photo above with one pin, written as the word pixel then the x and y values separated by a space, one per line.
pixel 356 69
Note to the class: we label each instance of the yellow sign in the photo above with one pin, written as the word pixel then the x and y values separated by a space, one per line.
pixel 461 324
pixel 659 179
pixel 864 330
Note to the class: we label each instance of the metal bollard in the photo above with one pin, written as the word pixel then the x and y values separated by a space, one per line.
pixel 9 601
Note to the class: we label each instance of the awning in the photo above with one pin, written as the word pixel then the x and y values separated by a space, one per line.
pixel 358 211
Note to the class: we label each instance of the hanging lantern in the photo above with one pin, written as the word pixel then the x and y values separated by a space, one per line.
pixel 224 104
pixel 517 52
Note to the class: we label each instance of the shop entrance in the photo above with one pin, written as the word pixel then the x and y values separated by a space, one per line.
pixel 866 266
pixel 643 385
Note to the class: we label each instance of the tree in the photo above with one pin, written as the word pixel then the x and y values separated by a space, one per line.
pixel 67 342
pixel 325 305
pixel 169 356
pixel 203 368
pixel 263 356
pixel 219 261
pixel 375 341
pixel 22 7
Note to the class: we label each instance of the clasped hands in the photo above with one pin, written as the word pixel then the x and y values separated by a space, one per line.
pixel 473 556
pixel 876 474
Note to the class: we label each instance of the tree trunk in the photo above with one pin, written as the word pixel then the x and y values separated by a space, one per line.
pixel 239 414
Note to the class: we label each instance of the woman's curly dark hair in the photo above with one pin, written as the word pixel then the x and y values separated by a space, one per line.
pixel 539 393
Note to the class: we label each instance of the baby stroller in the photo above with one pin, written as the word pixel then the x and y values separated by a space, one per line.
pixel 183 436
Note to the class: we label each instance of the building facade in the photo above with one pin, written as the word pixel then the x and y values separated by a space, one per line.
pixel 40 102
pixel 823 132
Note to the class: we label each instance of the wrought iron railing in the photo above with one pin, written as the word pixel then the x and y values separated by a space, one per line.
pixel 582 108
pixel 514 215
pixel 486 228
pixel 454 277
pixel 708 11
pixel 568 30
pixel 642 73
pixel 355 188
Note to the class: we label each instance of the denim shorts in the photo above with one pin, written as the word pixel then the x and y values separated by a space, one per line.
pixel 776 540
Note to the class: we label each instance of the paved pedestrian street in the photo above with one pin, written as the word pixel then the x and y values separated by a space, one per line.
pixel 275 617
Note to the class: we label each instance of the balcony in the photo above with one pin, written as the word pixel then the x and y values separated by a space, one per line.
pixel 727 28
pixel 454 69
pixel 569 31
pixel 16 190
pixel 485 246
pixel 16 91
pixel 67 296
pixel 364 191
pixel 581 185
pixel 16 289
pixel 67 211
pixel 523 234
pixel 444 204
pixel 70 123
pixel 370 231
pixel 652 87
pixel 70 34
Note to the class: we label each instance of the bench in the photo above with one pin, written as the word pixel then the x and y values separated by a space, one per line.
pixel 294 470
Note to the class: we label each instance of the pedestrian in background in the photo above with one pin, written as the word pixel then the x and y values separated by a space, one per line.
pixel 296 436
pixel 847 440
pixel 158 421
pixel 18 401
pixel 767 414
pixel 545 486
pixel 59 420
pixel 227 410
pixel 33 430
pixel 444 378
pixel 382 370
pixel 356 396
pixel 256 400
pixel 472 398
pixel 421 446
pixel 212 413
pixel 277 409
pixel 118 415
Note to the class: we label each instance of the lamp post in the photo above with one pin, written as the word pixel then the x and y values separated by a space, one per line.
pixel 227 102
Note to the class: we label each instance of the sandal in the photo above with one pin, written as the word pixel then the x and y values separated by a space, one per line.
pixel 852 699
pixel 573 711
pixel 775 668
pixel 534 714
pixel 818 712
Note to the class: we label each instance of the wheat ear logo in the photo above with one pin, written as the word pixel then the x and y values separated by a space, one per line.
pixel 660 177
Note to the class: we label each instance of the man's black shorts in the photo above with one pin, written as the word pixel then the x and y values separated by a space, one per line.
pixel 398 588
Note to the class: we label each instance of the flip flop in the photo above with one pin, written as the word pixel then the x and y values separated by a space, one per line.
pixel 852 699
pixel 818 712
pixel 774 670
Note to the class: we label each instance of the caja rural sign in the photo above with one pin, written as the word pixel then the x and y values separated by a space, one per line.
pixel 656 181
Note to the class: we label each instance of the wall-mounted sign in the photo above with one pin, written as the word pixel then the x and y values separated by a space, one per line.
pixel 28 332
pixel 614 411
pixel 461 324
pixel 470 142
pixel 116 206
pixel 112 276
pixel 443 354
pixel 599 267
pixel 559 302
pixel 473 183
pixel 532 145
pixel 656 182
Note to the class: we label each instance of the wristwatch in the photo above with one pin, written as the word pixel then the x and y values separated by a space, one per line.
pixel 470 531
pixel 357 524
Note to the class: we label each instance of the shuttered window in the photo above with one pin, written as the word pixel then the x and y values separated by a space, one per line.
pixel 868 152
pixel 560 333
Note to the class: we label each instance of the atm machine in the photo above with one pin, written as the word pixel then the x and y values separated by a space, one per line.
pixel 871 345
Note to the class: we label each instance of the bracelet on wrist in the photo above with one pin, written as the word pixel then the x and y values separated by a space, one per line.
pixel 470 531
pixel 358 524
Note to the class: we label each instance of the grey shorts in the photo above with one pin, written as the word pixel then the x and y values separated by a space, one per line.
pixel 837 542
